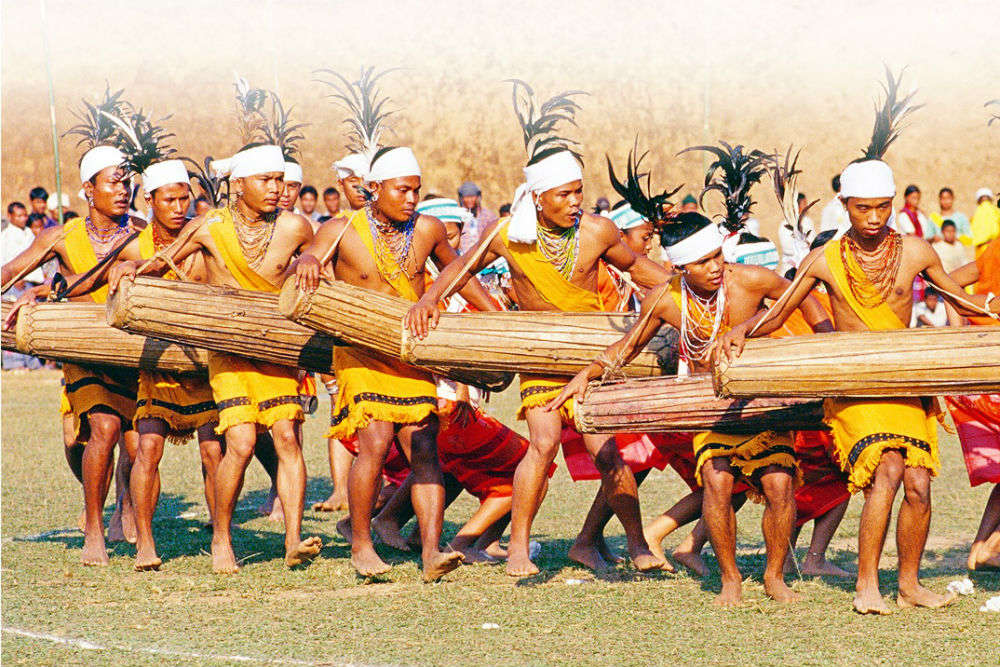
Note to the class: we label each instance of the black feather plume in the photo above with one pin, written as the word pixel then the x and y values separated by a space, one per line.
pixel 889 117
pixel 140 139
pixel 210 186
pixel 636 189
pixel 733 173
pixel 365 104
pixel 95 128
pixel 279 130
pixel 538 122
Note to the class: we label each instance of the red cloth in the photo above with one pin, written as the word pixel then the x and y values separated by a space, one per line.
pixel 911 213
pixel 824 485
pixel 640 451
pixel 977 420
pixel 396 468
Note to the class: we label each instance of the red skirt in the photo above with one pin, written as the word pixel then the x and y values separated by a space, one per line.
pixel 977 420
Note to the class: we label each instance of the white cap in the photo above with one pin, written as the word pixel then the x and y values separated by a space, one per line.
pixel 871 179
pixel 983 192
pixel 293 172
pixel 355 164
pixel 97 159
pixel 555 170
pixel 257 160
pixel 394 163
pixel 701 243
pixel 625 217
pixel 164 173
pixel 445 210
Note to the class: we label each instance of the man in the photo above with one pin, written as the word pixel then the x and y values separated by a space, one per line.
pixel 100 401
pixel 946 206
pixel 15 239
pixel 38 198
pixel 985 221
pixel 880 444
pixel 250 245
pixel 834 216
pixel 293 188
pixel 708 293
pixel 384 248
pixel 202 205
pixel 331 200
pixel 929 312
pixel 307 201
pixel 911 218
pixel 554 250
pixel 471 197
pixel 951 251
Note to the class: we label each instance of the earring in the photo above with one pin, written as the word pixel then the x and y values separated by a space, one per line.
pixel 375 197
pixel 538 206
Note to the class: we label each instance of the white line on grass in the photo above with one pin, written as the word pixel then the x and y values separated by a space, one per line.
pixel 86 645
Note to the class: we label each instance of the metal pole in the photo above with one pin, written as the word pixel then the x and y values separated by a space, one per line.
pixel 52 113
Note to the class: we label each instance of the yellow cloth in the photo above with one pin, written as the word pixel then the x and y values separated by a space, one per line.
pixel 64 408
pixel 185 403
pixel 252 392
pixel 864 428
pixel 537 390
pixel 547 280
pixel 985 225
pixel 747 454
pixel 88 388
pixel 221 227
pixel 374 388
pixel 80 254
pixel 938 219
pixel 400 279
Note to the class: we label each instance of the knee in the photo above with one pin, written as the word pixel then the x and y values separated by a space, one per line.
pixel 717 477
pixel 210 451
pixel 149 453
pixel 104 428
pixel 423 449
pixel 608 457
pixel 241 447
pixel 285 439
pixel 917 488
pixel 776 483
pixel 544 448
pixel 890 470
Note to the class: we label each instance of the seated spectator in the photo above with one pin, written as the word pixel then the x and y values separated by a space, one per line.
pixel 911 219
pixel 331 200
pixel 930 312
pixel 953 254
pixel 40 204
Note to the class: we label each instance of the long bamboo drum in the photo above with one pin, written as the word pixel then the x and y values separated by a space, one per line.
pixel 542 343
pixel 8 336
pixel 226 319
pixel 908 362
pixel 671 404
pixel 78 332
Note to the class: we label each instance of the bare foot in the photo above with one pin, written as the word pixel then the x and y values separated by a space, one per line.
pixel 146 559
pixel 81 523
pixel 277 514
pixel 644 561
pixel 388 533
pixel 779 591
pixel 335 503
pixel 981 559
pixel 223 558
pixel 116 532
pixel 731 594
pixel 921 597
pixel 870 601
pixel 519 564
pixel 94 551
pixel 588 556
pixel 368 563
pixel 440 563
pixel 496 551
pixel 473 556
pixel 304 551
pixel 991 564
pixel 606 553
pixel 823 568
pixel 691 561
pixel 344 528
pixel 655 546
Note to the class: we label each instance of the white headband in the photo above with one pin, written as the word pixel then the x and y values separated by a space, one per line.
pixel 394 163
pixel 871 179
pixel 445 210
pixel 706 240
pixel 164 173
pixel 355 164
pixel 625 217
pixel 257 160
pixel 293 172
pixel 97 159
pixel 555 170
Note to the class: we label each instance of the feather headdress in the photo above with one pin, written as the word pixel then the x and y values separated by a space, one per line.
pixel 995 116
pixel 210 184
pixel 734 172
pixel 365 105
pixel 140 139
pixel 249 109
pixel 538 121
pixel 636 189
pixel 280 130
pixel 784 175
pixel 889 117
pixel 95 128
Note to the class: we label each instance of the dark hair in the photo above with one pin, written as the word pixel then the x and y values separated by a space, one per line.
pixel 800 197
pixel 202 198
pixel 683 226
pixel 331 191
pixel 36 216
pixel 835 183
pixel 15 204
pixel 910 189
pixel 930 291
pixel 431 195
pixel 38 192
pixel 946 189
pixel 307 189
pixel 747 237
pixel 69 215
pixel 948 223
pixel 618 205
pixel 822 239
pixel 504 210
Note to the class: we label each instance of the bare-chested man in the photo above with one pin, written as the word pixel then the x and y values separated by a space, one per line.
pixel 250 245
pixel 385 247
pixel 700 303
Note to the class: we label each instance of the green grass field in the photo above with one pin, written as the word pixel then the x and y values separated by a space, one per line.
pixel 323 614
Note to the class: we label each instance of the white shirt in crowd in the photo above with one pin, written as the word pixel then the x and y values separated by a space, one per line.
pixel 16 240
pixel 953 255
pixel 834 216
pixel 938 317
pixel 795 243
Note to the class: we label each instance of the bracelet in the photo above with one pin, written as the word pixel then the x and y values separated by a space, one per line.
pixel 989 298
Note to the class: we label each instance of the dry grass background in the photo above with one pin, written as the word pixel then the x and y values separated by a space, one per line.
pixel 763 74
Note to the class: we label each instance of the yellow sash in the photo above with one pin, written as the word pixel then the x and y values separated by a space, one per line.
pixel 401 283
pixel 880 318
pixel 81 256
pixel 695 309
pixel 547 280
pixel 220 226
pixel 147 248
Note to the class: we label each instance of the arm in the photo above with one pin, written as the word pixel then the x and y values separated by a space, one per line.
pixel 308 266
pixel 644 272
pixel 473 291
pixel 950 289
pixel 36 254
pixel 966 274
pixel 187 242
pixel 814 313
pixel 305 237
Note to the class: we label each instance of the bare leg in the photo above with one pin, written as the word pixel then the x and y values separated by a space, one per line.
pixel 121 527
pixel 872 531
pixel 73 449
pixel 265 452
pixel 684 511
pixel 240 441
pixel 489 541
pixel 719 517
pixel 777 524
pixel 211 447
pixel 590 549
pixel 292 492
pixel 365 482
pixel 398 510
pixel 912 526
pixel 545 432
pixel 815 563
pixel 145 485
pixel 491 511
pixel 340 468
pixel 419 444
pixel 982 555
pixel 105 429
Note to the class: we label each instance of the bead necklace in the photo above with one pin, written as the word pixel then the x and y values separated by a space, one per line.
pixel 699 330
pixel 104 241
pixel 880 267
pixel 160 239
pixel 392 244
pixel 254 236
pixel 560 248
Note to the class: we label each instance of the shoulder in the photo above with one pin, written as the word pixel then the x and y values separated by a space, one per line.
pixel 598 224
pixel 816 259
pixel 294 222
pixel 428 224
pixel 753 275
pixel 137 222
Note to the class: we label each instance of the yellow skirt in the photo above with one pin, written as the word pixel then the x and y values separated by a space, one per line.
pixel 537 390
pixel 184 402
pixel 374 388
pixel 252 392
pixel 747 454
pixel 90 387
pixel 864 428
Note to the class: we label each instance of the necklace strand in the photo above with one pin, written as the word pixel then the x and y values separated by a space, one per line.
pixel 561 249
pixel 254 236
pixel 392 244
pixel 879 267
pixel 104 241
pixel 699 331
